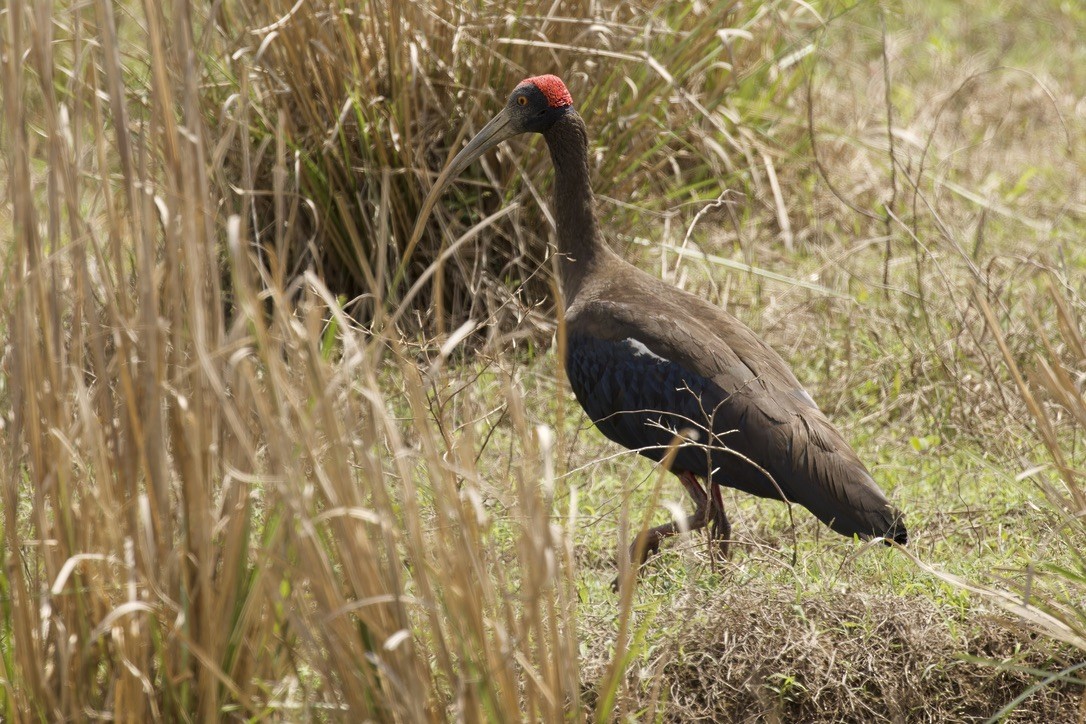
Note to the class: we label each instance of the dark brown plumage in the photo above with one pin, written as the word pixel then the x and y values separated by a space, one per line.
pixel 647 360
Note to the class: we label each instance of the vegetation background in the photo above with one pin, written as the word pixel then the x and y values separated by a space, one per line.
pixel 261 460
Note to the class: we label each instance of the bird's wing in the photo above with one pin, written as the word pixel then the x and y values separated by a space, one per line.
pixel 640 399
pixel 684 356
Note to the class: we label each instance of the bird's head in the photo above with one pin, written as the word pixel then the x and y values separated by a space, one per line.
pixel 533 106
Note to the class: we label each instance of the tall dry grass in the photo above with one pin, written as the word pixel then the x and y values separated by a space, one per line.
pixel 222 497
pixel 211 506
pixel 364 99
pixel 1048 380
pixel 988 287
pixel 1051 384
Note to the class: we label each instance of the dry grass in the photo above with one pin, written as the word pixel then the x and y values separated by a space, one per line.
pixel 216 510
pixel 225 497
pixel 364 98
pixel 757 653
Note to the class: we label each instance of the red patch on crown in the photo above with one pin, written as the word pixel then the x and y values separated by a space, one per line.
pixel 553 89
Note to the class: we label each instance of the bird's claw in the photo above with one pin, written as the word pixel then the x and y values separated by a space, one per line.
pixel 649 543
pixel 720 533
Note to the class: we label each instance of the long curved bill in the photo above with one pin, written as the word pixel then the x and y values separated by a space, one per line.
pixel 498 129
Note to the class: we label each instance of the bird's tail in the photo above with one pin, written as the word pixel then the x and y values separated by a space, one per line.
pixel 896 532
pixel 857 506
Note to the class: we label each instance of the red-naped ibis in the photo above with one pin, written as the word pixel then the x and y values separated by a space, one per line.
pixel 647 360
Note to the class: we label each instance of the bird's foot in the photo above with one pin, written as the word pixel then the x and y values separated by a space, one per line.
pixel 720 528
pixel 645 546
pixel 721 535
pixel 647 543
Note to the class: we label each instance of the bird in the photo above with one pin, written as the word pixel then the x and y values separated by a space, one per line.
pixel 664 372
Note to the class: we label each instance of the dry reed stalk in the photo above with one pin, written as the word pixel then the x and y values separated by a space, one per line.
pixel 213 504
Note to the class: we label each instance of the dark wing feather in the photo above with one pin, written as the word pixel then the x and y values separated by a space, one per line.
pixel 628 361
pixel 641 400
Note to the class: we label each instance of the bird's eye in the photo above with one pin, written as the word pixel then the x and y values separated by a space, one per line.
pixel 522 101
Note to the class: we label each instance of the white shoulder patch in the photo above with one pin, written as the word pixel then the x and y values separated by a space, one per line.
pixel 641 350
pixel 806 397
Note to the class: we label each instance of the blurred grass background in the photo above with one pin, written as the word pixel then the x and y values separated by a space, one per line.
pixel 232 491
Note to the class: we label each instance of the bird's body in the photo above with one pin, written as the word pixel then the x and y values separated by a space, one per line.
pixel 644 373
pixel 647 360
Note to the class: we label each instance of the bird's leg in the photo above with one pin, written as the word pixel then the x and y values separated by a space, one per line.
pixel 650 539
pixel 694 488
pixel 712 504
pixel 721 530
pixel 648 542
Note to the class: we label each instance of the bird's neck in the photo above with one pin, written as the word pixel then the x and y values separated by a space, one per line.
pixel 580 246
